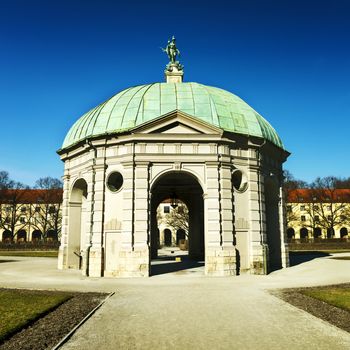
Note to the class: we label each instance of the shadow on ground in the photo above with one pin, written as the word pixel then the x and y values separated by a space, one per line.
pixel 167 264
pixel 296 258
pixel 7 261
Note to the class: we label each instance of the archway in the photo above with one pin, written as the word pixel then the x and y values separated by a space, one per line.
pixel 317 232
pixel 36 236
pixel 330 233
pixel 273 223
pixel 77 223
pixel 290 233
pixel 167 238
pixel 343 232
pixel 21 236
pixel 7 236
pixel 180 236
pixel 175 187
pixel 52 236
pixel 304 233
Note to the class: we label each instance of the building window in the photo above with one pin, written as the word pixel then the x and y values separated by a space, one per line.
pixel 342 217
pixel 289 208
pixel 22 220
pixel 329 217
pixel 51 209
pixel 37 209
pixel 23 209
pixel 317 218
pixel 329 207
pixel 316 207
pixel 166 209
pixel 303 218
pixel 302 208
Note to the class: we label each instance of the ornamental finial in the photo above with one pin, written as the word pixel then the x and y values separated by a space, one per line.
pixel 174 69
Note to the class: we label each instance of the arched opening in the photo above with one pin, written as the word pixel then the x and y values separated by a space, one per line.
pixel 304 233
pixel 290 233
pixel 330 233
pixel 317 232
pixel 76 224
pixel 167 237
pixel 36 236
pixel 273 223
pixel 52 236
pixel 21 236
pixel 7 236
pixel 180 237
pixel 177 189
pixel 343 232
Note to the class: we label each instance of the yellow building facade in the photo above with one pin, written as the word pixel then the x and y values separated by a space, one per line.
pixel 30 215
pixel 318 214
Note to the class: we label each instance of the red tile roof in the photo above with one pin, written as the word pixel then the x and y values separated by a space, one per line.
pixel 31 196
pixel 318 195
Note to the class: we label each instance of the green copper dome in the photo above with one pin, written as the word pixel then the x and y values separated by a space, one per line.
pixel 137 105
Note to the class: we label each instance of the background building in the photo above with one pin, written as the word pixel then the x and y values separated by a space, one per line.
pixel 318 213
pixel 30 215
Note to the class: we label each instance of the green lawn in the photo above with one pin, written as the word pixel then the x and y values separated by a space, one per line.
pixel 31 253
pixel 333 295
pixel 19 308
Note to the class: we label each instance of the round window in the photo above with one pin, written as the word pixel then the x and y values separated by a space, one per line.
pixel 115 181
pixel 239 181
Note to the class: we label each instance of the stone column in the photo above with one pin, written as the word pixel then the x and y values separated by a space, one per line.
pixel 63 249
pixel 96 253
pixel 283 230
pixel 258 244
pixel 219 250
pixel 228 254
pixel 127 234
pixel 141 219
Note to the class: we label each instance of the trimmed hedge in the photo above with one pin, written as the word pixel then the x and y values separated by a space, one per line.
pixel 29 245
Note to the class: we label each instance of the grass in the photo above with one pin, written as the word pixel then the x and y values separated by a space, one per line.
pixel 19 308
pixel 30 253
pixel 334 295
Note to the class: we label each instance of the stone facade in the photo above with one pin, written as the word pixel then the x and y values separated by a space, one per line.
pixel 231 184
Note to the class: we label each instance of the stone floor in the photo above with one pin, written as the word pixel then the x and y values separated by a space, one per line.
pixel 184 309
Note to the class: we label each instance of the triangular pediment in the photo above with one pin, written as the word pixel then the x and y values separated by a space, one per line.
pixel 177 122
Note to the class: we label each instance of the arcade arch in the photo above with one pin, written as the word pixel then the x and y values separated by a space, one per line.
pixel 77 223
pixel 179 185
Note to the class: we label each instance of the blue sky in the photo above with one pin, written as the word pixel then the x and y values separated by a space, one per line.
pixel 290 60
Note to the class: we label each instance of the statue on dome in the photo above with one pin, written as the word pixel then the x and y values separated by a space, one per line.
pixel 172 51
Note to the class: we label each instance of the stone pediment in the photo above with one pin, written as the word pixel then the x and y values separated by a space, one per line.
pixel 177 122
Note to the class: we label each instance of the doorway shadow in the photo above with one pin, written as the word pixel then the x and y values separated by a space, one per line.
pixel 168 264
pixel 296 258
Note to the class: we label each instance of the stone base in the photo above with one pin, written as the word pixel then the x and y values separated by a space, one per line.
pixel 260 260
pixel 285 255
pixel 131 264
pixel 62 257
pixel 95 263
pixel 220 262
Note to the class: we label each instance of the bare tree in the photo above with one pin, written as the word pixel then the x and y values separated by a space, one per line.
pixel 47 216
pixel 15 212
pixel 333 208
pixel 290 189
pixel 5 181
pixel 177 218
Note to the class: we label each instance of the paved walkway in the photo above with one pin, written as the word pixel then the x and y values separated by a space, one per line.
pixel 192 311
